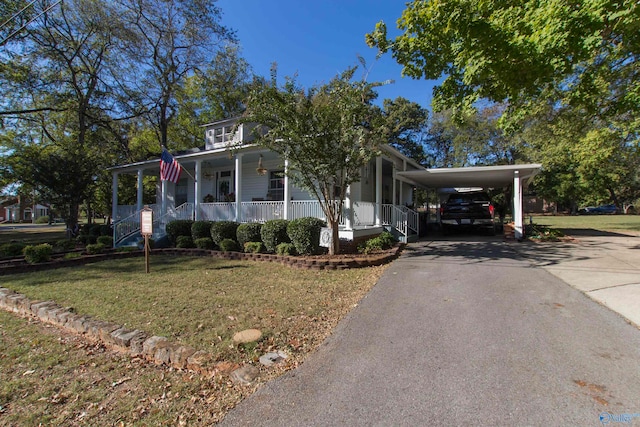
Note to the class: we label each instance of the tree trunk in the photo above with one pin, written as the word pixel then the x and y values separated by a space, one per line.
pixel 334 248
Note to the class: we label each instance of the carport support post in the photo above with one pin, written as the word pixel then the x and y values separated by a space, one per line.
pixel 517 206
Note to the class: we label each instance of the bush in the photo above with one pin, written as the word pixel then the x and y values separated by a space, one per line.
pixel 106 241
pixel 184 242
pixel 229 245
pixel 384 241
pixel 286 249
pixel 254 247
pixel 64 245
pixel 273 233
pixel 248 233
pixel 87 239
pixel 106 230
pixel 178 227
pixel 37 253
pixel 94 229
pixel 42 220
pixel 305 234
pixel 204 243
pixel 12 249
pixel 72 255
pixel 201 229
pixel 221 230
pixel 96 248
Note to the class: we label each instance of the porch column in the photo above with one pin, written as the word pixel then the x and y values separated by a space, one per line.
pixel 378 212
pixel 287 190
pixel 114 196
pixel 517 206
pixel 140 190
pixel 393 186
pixel 238 187
pixel 198 189
pixel 348 211
pixel 163 203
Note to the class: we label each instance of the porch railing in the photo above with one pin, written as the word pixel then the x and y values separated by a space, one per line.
pixel 364 213
pixel 225 211
pixel 262 211
pixel 130 225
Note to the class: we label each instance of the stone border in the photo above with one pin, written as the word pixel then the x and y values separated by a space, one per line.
pixel 135 343
pixel 340 262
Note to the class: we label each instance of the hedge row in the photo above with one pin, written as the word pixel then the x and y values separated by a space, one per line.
pixel 303 235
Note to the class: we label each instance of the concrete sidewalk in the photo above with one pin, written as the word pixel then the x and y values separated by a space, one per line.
pixel 605 266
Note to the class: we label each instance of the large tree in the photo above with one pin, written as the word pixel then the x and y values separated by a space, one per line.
pixel 327 134
pixel 406 125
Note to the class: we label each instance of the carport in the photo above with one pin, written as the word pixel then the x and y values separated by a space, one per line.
pixel 481 176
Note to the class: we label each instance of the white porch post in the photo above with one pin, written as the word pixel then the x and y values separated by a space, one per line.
pixel 378 213
pixel 238 187
pixel 163 204
pixel 198 189
pixel 348 211
pixel 287 190
pixel 393 186
pixel 517 206
pixel 114 196
pixel 140 196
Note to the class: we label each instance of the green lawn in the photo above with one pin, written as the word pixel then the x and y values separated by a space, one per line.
pixel 613 223
pixel 201 302
pixel 31 233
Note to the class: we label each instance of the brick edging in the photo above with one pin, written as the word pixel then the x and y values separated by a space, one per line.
pixel 135 343
pixel 309 263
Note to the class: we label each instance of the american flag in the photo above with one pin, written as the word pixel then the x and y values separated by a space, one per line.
pixel 169 167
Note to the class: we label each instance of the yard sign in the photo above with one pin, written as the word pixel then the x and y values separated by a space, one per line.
pixel 146 229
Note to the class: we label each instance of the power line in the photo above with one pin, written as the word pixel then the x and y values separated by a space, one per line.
pixel 17 14
pixel 25 25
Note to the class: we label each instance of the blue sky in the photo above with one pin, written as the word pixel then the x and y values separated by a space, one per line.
pixel 317 39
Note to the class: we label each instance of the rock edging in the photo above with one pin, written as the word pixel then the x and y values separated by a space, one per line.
pixel 308 263
pixel 136 343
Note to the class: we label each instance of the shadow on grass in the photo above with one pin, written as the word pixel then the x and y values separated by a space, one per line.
pixel 590 232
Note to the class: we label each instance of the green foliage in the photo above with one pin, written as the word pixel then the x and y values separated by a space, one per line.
pixel 128 249
pixel 95 230
pixel 64 245
pixel 248 233
pixel 106 230
pixel 254 247
pixel 305 234
pixel 184 242
pixel 11 249
pixel 106 241
pixel 42 219
pixel 179 227
pixel 327 133
pixel 87 239
pixel 204 243
pixel 382 242
pixel 221 230
pixel 286 249
pixel 229 245
pixel 542 233
pixel 96 248
pixel 37 253
pixel 273 233
pixel 72 255
pixel 201 229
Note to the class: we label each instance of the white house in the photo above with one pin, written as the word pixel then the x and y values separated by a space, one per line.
pixel 248 184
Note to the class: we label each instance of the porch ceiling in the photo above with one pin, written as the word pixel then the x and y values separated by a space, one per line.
pixel 477 176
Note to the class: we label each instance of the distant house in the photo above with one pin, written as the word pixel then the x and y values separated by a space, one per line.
pixel 21 209
pixel 248 184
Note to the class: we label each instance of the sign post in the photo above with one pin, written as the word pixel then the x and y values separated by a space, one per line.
pixel 146 229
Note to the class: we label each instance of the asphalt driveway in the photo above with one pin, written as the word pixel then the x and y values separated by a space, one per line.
pixel 463 332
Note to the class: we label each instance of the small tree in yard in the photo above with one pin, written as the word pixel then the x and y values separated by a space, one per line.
pixel 327 134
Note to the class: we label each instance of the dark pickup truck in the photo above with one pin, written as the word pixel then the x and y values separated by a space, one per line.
pixel 468 209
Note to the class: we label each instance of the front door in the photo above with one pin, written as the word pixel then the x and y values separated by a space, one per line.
pixel 224 186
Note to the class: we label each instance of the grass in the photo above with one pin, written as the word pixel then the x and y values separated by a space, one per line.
pixel 615 223
pixel 31 234
pixel 201 302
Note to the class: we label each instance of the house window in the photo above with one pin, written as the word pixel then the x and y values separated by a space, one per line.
pixel 276 185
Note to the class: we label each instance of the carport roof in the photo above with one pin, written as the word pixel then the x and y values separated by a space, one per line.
pixel 476 176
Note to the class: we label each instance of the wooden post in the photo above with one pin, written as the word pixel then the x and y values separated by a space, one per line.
pixel 146 229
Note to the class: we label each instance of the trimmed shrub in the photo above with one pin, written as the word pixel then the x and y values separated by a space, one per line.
pixel 184 242
pixel 273 233
pixel 64 245
pixel 96 248
pixel 37 253
pixel 204 243
pixel 201 229
pixel 87 239
pixel 106 241
pixel 305 234
pixel 178 227
pixel 42 220
pixel 12 249
pixel 229 245
pixel 286 249
pixel 254 247
pixel 221 230
pixel 248 233
pixel 381 242
pixel 106 230
pixel 94 229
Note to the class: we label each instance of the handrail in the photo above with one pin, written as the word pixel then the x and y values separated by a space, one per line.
pixel 130 225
